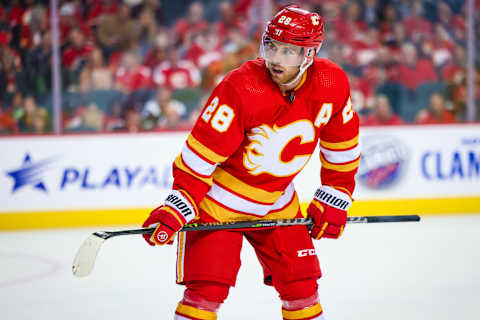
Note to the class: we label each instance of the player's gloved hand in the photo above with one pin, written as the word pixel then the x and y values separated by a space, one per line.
pixel 329 212
pixel 177 210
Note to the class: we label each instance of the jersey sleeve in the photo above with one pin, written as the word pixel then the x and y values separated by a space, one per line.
pixel 216 135
pixel 339 147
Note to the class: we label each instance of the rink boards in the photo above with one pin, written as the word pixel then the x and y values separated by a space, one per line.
pixel 115 179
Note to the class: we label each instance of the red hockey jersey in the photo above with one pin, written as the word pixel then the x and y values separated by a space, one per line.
pixel 251 140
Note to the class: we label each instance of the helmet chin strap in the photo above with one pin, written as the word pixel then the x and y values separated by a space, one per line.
pixel 304 66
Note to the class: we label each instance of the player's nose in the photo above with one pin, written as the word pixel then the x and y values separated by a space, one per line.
pixel 276 58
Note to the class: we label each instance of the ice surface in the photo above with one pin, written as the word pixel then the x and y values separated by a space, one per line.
pixel 426 270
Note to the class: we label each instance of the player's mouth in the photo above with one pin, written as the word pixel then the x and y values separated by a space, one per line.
pixel 276 70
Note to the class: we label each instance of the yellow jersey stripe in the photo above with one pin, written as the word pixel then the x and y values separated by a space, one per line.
pixel 221 213
pixel 180 256
pixel 312 311
pixel 340 167
pixel 339 145
pixel 181 166
pixel 230 182
pixel 204 151
pixel 196 313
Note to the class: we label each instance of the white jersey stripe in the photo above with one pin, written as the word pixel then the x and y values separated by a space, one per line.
pixel 341 156
pixel 195 163
pixel 237 203
pixel 179 317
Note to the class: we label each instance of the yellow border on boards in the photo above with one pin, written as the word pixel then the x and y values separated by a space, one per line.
pixel 135 216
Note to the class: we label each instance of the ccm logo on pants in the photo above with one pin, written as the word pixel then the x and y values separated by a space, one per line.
pixel 306 252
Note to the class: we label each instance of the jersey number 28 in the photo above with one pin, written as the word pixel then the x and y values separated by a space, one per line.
pixel 220 118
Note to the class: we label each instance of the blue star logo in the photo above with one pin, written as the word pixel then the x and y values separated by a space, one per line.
pixel 29 174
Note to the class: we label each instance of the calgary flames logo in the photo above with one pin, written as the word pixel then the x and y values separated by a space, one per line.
pixel 263 154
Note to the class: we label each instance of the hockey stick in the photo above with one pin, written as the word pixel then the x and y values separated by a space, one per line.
pixel 87 253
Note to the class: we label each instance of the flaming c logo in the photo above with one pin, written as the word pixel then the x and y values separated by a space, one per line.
pixel 263 154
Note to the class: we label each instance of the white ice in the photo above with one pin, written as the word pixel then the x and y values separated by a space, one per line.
pixel 426 270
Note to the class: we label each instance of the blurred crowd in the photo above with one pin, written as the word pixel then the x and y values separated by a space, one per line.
pixel 142 65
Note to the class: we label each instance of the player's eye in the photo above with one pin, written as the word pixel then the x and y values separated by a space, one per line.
pixel 271 46
pixel 289 51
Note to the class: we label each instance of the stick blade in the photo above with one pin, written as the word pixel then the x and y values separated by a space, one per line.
pixel 86 255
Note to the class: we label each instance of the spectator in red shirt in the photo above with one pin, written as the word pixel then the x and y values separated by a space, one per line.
pixel 15 13
pixel 10 64
pixel 7 124
pixel 454 71
pixel 100 8
pixel 413 71
pixel 175 73
pixel 382 113
pixel 229 21
pixel 361 91
pixel 205 48
pixel 365 48
pixel 436 112
pixel 440 48
pixel 158 52
pixel 417 26
pixel 131 75
pixel 389 16
pixel 193 22
pixel 447 19
pixel 70 17
pixel 351 27
pixel 78 51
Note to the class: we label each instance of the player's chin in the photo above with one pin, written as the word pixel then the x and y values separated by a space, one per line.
pixel 277 75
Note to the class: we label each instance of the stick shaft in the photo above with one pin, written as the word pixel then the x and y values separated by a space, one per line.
pixel 259 224
pixel 85 258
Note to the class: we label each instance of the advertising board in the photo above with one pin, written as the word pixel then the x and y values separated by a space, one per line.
pixel 73 180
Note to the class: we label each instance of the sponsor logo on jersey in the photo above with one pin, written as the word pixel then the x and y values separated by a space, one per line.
pixel 306 252
pixel 383 162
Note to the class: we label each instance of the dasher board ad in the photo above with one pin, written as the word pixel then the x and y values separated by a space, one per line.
pixel 87 171
pixel 75 172
pixel 413 162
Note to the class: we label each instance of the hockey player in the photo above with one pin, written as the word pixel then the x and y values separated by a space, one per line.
pixel 258 129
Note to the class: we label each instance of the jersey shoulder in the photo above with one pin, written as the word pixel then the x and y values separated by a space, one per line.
pixel 328 74
pixel 251 76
